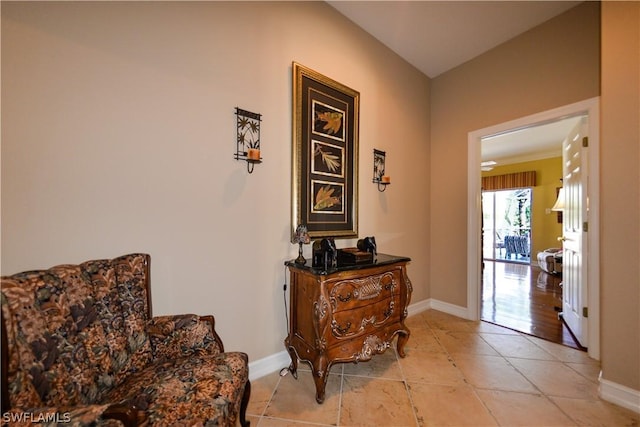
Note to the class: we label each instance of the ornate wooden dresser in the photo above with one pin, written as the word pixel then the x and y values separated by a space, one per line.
pixel 347 314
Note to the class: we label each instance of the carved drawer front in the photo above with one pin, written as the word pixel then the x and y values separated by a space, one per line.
pixel 351 293
pixel 366 319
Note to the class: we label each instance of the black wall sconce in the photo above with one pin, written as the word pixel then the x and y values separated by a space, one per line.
pixel 248 140
pixel 379 176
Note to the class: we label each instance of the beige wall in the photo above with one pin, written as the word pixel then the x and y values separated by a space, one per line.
pixel 620 194
pixel 118 134
pixel 545 228
pixel 554 64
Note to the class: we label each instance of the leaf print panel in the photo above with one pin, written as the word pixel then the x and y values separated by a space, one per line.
pixel 327 159
pixel 328 197
pixel 328 121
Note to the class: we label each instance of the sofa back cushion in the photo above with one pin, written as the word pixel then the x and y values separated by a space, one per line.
pixel 75 331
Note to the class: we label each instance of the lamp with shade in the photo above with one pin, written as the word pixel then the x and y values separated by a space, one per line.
pixel 301 237
pixel 559 205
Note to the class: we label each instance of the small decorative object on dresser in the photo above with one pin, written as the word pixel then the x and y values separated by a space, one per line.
pixel 324 254
pixel 346 314
pixel 368 244
pixel 353 256
pixel 301 237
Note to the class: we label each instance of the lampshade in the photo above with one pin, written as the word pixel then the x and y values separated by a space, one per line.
pixel 302 235
pixel 559 206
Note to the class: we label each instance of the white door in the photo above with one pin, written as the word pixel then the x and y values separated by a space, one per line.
pixel 575 227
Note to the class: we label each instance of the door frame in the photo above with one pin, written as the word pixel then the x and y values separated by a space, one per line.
pixel 590 107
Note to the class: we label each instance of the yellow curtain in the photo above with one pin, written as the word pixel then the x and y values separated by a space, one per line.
pixel 510 180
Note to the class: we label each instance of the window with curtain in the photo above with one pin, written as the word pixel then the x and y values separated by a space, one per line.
pixel 506 214
pixel 509 181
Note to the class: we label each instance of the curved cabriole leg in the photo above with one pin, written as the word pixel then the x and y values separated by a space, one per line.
pixel 293 367
pixel 321 384
pixel 403 337
pixel 244 404
pixel 320 376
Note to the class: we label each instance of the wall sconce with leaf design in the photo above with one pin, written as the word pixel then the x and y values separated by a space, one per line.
pixel 379 176
pixel 248 138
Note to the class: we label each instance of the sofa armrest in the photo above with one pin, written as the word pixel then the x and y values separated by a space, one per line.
pixel 77 416
pixel 175 336
pixel 127 415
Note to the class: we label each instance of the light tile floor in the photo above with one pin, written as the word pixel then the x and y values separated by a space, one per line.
pixel 456 373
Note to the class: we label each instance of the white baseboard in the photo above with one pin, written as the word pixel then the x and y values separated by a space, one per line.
pixel 620 395
pixel 419 307
pixel 269 364
pixel 435 304
pixel 448 308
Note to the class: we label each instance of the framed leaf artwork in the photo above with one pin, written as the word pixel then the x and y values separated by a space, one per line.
pixel 325 155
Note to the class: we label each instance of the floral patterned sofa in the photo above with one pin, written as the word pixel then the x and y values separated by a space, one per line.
pixel 79 346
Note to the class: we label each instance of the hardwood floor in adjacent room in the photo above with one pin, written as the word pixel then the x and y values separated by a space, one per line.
pixel 524 298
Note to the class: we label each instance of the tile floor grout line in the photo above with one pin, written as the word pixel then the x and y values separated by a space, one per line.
pixel 309 423
pixel 483 403
pixel 553 402
pixel 340 395
pixel 506 359
pixel 475 388
pixel 515 368
pixel 273 393
pixel 411 402
pixel 541 392
pixel 406 386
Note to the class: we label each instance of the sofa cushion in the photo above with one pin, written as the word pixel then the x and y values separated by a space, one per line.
pixel 58 341
pixel 132 293
pixel 76 330
pixel 202 389
pixel 176 336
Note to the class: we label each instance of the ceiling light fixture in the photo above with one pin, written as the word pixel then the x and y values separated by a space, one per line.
pixel 487 166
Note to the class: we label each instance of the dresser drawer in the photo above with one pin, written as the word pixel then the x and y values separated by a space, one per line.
pixel 357 292
pixel 365 319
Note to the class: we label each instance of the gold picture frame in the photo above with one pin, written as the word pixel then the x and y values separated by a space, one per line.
pixel 325 155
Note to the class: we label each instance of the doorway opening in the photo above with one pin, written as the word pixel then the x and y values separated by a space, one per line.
pixel 588 108
pixel 506 219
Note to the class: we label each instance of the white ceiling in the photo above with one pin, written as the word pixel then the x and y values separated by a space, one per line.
pixel 533 143
pixel 436 36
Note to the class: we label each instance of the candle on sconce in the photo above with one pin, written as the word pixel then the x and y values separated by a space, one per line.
pixel 253 154
pixel 386 179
